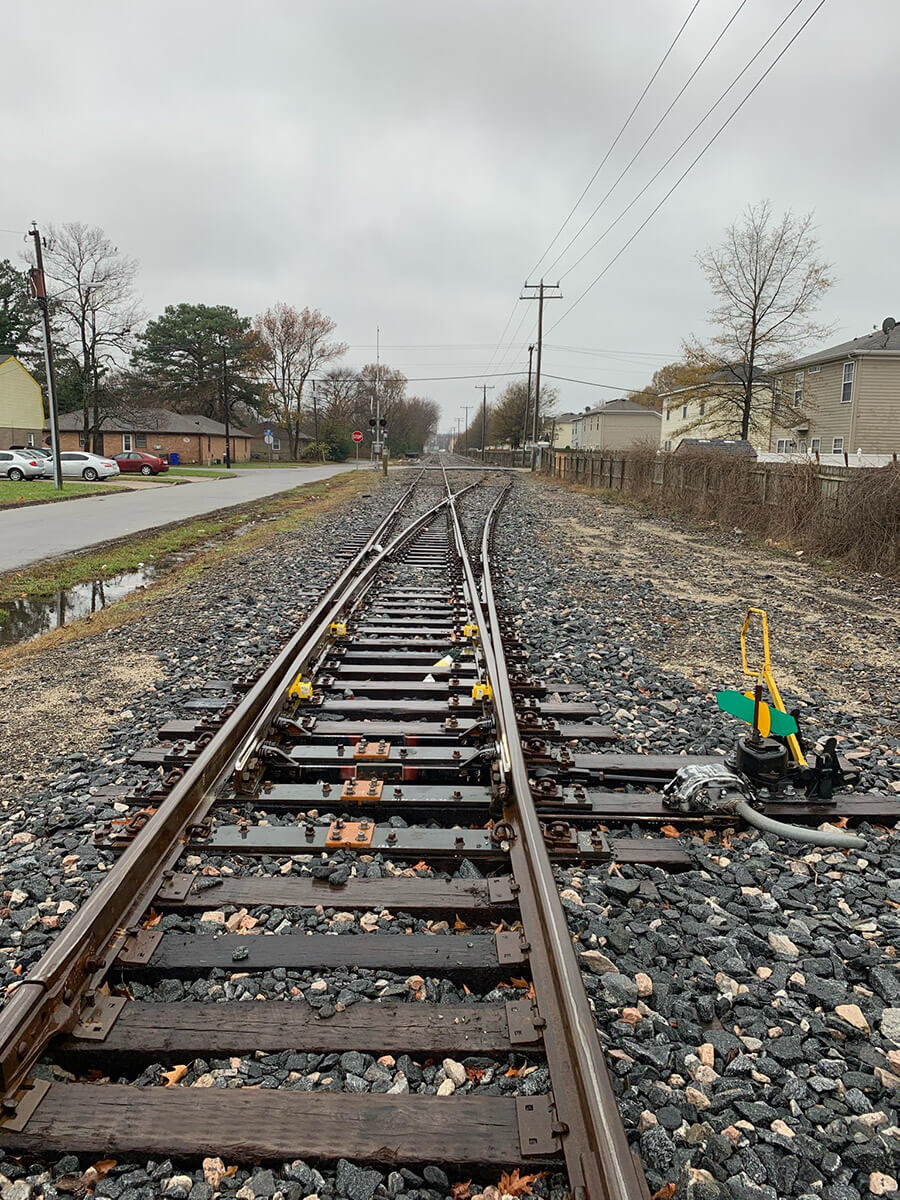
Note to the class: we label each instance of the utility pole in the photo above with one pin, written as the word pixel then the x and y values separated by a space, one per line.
pixel 466 429
pixel 39 293
pixel 225 406
pixel 484 391
pixel 539 292
pixel 527 404
pixel 313 385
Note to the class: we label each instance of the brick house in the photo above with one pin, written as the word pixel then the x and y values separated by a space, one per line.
pixel 193 438
pixel 842 399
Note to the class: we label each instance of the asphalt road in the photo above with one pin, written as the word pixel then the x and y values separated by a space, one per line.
pixel 46 530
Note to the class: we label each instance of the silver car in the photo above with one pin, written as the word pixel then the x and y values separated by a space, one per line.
pixel 18 465
pixel 79 464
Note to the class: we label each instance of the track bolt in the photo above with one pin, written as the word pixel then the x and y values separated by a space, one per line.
pixel 10 1107
pixel 22 1049
pixel 559 1128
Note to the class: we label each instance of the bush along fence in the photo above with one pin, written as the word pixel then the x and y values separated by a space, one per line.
pixel 849 515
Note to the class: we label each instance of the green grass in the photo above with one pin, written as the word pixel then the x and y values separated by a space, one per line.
pixel 43 491
pixel 155 546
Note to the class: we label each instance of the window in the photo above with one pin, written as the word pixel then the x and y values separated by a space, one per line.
pixel 31 439
pixel 667 444
pixel 668 414
pixel 702 408
pixel 847 382
pixel 276 443
pixel 798 389
pixel 140 441
pixel 803 445
pixel 813 370
pixel 683 412
pixel 815 445
pixel 783 446
pixel 127 441
pixel 837 445
pixel 71 456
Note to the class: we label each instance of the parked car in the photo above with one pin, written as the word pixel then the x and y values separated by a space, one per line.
pixel 79 464
pixel 18 465
pixel 42 454
pixel 140 460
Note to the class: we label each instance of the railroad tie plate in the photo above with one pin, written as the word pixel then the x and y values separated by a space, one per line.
pixel 362 791
pixel 349 835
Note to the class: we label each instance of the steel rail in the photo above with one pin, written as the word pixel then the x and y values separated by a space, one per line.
pixel 48 1000
pixel 599 1160
pixel 595 1144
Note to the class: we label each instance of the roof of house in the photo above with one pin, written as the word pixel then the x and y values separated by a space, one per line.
pixel 733 446
pixel 257 429
pixel 568 416
pixel 615 407
pixel 154 420
pixel 736 374
pixel 878 342
pixel 4 357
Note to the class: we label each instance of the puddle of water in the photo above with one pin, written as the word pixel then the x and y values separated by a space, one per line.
pixel 22 620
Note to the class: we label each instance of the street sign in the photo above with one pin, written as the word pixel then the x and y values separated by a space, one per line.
pixel 357 435
pixel 269 437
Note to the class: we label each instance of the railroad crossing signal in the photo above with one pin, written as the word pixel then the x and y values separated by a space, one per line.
pixel 357 436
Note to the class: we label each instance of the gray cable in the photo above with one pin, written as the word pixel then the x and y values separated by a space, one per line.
pixel 816 837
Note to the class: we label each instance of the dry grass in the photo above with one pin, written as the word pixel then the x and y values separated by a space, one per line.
pixel 855 522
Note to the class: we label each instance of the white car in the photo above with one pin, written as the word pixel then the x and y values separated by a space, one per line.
pixel 79 464
pixel 18 465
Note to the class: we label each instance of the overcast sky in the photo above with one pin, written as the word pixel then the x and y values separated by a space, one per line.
pixel 404 164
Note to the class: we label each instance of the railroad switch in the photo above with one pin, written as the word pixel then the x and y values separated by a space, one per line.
pixel 349 835
pixel 372 751
pixel 363 791
pixel 301 689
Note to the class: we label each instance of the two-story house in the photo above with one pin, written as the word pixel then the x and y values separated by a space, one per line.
pixel 843 399
pixel 713 410
pixel 614 426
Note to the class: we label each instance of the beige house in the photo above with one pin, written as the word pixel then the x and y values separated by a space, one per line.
pixel 562 430
pixel 844 399
pixel 21 405
pixel 615 426
pixel 704 412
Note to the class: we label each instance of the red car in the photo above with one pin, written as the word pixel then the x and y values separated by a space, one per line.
pixel 140 460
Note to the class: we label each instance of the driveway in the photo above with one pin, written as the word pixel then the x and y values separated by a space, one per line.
pixel 46 530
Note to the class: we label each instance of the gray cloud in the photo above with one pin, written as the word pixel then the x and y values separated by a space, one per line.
pixel 404 164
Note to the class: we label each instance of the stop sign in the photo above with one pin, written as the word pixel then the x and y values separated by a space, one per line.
pixel 357 435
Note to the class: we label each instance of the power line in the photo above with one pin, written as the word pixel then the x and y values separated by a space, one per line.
pixel 615 141
pixel 687 138
pixel 694 161
pixel 693 75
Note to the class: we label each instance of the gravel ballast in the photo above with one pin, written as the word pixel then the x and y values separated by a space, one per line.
pixel 750 1007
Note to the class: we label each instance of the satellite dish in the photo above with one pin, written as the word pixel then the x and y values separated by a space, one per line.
pixel 888 324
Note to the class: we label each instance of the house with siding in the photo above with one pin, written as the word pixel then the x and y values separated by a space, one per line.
pixel 562 429
pixel 712 410
pixel 615 425
pixel 21 405
pixel 844 399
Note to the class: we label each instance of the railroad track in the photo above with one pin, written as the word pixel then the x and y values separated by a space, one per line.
pixel 396 760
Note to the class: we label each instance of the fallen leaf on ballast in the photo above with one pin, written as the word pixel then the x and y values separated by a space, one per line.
pixel 518 1185
pixel 175 1075
pixel 669 831
pixel 462 1191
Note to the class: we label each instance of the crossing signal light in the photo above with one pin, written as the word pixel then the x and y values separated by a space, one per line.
pixel 372 422
pixel 382 422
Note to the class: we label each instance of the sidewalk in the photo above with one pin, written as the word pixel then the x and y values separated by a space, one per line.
pixel 47 530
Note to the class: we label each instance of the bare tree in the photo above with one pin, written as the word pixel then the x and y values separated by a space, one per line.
pixel 95 310
pixel 294 346
pixel 768 280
